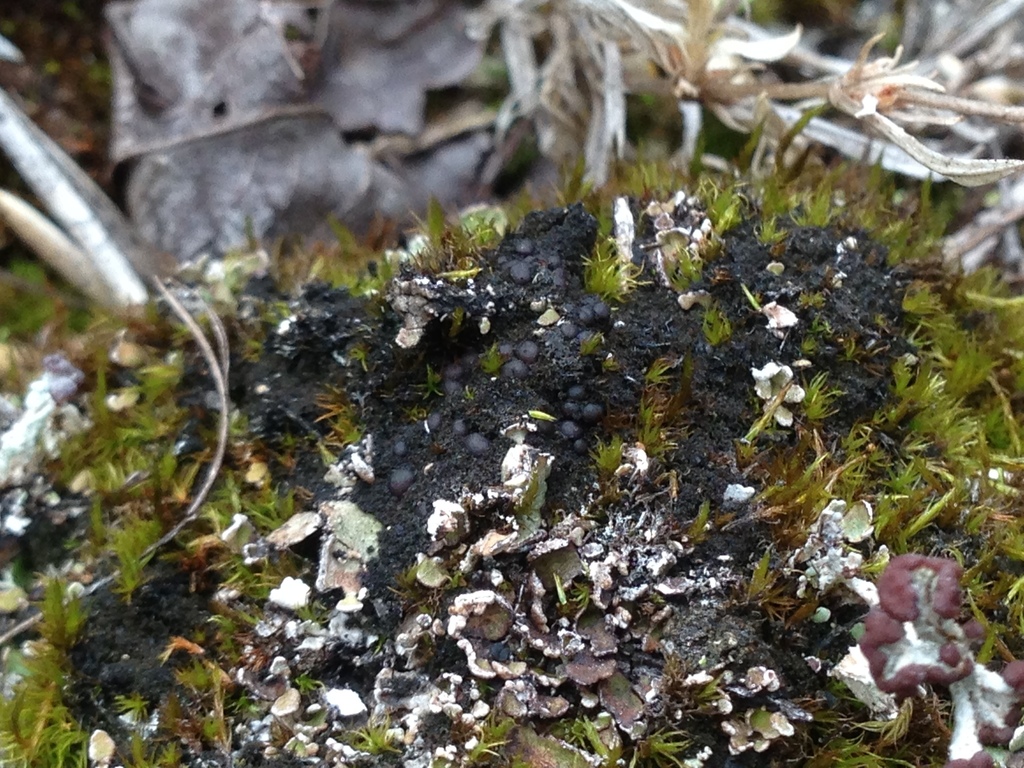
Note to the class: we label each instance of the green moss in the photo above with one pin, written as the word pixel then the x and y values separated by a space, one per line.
pixel 771 233
pixel 374 738
pixel 35 721
pixel 923 459
pixel 725 204
pixel 608 276
pixel 198 715
pixel 130 542
pixel 340 417
pixel 431 386
pixel 591 344
pixel 587 733
pixel 819 401
pixel 607 457
pixel 717 327
pixel 490 360
pixel 351 262
pixel 131 441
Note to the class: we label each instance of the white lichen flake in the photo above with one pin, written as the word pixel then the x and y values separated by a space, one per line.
pixel 780 318
pixel 737 494
pixel 344 701
pixel 42 423
pixel 447 518
pixel 101 749
pixel 291 595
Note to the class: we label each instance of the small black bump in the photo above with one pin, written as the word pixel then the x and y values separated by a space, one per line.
pixel 569 330
pixel 400 448
pixel 524 246
pixel 577 392
pixel 434 421
pixel 401 480
pixel 586 315
pixel 453 371
pixel 505 349
pixel 602 311
pixel 581 447
pixel 451 387
pixel 187 444
pixel 500 652
pixel 572 409
pixel 459 427
pixel 570 430
pixel 545 428
pixel 520 272
pixel 528 351
pixel 592 413
pixel 515 369
pixel 477 444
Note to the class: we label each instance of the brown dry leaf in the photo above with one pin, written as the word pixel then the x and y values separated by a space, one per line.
pixel 531 749
pixel 283 175
pixel 969 172
pixel 584 669
pixel 178 643
pixel 233 113
pixel 183 69
pixel 295 529
pixel 380 59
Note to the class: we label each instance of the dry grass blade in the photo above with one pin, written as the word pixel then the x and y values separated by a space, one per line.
pixel 218 362
pixel 970 237
pixel 9 51
pixel 104 237
pixel 49 243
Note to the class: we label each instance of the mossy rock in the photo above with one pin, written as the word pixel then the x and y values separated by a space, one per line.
pixel 590 521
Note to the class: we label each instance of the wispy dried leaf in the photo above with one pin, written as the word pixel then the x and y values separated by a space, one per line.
pixel 713 60
pixel 853 144
pixel 764 50
pixel 967 171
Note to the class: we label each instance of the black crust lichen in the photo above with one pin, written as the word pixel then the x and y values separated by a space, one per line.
pixel 542 368
pixel 525 345
pixel 646 582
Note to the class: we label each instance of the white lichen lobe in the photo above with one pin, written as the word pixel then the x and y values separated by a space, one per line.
pixel 292 594
pixel 774 381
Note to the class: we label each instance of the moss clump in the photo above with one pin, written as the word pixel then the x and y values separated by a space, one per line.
pixel 614 483
pixel 37 721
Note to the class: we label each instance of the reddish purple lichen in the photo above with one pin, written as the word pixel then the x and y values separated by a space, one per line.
pixel 913 638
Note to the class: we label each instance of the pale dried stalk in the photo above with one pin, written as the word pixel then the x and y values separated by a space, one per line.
pixel 49 242
pixel 107 245
pixel 218 362
pixel 715 60
pixel 9 51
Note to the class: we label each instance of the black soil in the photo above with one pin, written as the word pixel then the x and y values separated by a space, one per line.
pixel 120 653
pixel 436 443
pixel 437 421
